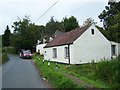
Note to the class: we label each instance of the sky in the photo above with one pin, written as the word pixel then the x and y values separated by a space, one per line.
pixel 10 10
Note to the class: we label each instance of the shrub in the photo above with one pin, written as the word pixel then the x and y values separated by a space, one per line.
pixel 4 57
pixel 9 49
pixel 109 71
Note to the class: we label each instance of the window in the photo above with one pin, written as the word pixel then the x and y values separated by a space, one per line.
pixel 66 52
pixel 54 53
pixel 38 50
pixel 45 53
pixel 113 47
pixel 92 31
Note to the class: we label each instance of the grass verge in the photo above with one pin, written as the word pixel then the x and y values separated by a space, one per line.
pixel 54 76
pixel 4 58
pixel 85 72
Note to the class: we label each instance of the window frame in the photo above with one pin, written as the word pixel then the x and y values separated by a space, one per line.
pixel 113 48
pixel 92 31
pixel 54 52
pixel 66 51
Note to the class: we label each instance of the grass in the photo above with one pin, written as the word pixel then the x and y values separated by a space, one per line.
pixel 4 58
pixel 4 53
pixel 57 78
pixel 95 83
pixel 85 72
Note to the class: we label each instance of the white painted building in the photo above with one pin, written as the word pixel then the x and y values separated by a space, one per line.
pixel 40 49
pixel 115 49
pixel 79 46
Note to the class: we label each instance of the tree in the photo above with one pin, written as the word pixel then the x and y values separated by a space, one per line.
pixel 70 23
pixel 52 26
pixel 88 22
pixel 25 34
pixel 6 37
pixel 111 20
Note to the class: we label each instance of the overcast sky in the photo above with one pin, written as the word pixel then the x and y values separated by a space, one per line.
pixel 81 9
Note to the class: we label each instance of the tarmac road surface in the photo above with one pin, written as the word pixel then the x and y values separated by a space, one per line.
pixel 21 73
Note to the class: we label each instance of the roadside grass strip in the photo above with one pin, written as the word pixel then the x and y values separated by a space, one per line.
pixel 69 76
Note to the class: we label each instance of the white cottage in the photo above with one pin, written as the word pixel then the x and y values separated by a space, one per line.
pixel 40 49
pixel 79 46
pixel 115 49
pixel 39 46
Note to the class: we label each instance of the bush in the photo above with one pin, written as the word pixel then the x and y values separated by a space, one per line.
pixel 9 49
pixel 109 71
pixel 4 57
pixel 36 53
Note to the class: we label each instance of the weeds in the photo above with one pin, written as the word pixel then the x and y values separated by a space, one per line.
pixel 104 74
pixel 55 77
pixel 4 58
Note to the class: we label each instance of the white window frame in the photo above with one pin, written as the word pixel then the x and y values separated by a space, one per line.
pixel 92 31
pixel 113 48
pixel 54 52
pixel 66 52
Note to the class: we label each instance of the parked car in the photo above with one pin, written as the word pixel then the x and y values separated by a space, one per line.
pixel 25 54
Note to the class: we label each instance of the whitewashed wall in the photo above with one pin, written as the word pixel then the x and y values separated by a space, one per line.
pixel 90 47
pixel 117 50
pixel 40 47
pixel 60 54
pixel 72 54
pixel 85 49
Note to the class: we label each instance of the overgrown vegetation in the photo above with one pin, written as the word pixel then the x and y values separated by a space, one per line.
pixel 4 55
pixel 26 34
pixel 109 71
pixel 8 50
pixel 105 74
pixel 4 58
pixel 111 20
pixel 57 78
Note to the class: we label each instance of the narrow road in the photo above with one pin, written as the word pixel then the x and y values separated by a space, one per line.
pixel 21 73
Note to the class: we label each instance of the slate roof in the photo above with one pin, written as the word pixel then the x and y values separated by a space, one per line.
pixel 66 38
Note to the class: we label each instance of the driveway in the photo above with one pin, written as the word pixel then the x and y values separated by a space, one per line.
pixel 21 73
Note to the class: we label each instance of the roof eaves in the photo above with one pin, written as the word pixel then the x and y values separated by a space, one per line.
pixel 57 45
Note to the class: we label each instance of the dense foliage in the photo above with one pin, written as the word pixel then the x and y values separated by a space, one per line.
pixel 52 26
pixel 6 37
pixel 3 57
pixel 70 23
pixel 26 34
pixel 111 20
pixel 109 71
pixel 106 71
pixel 9 50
